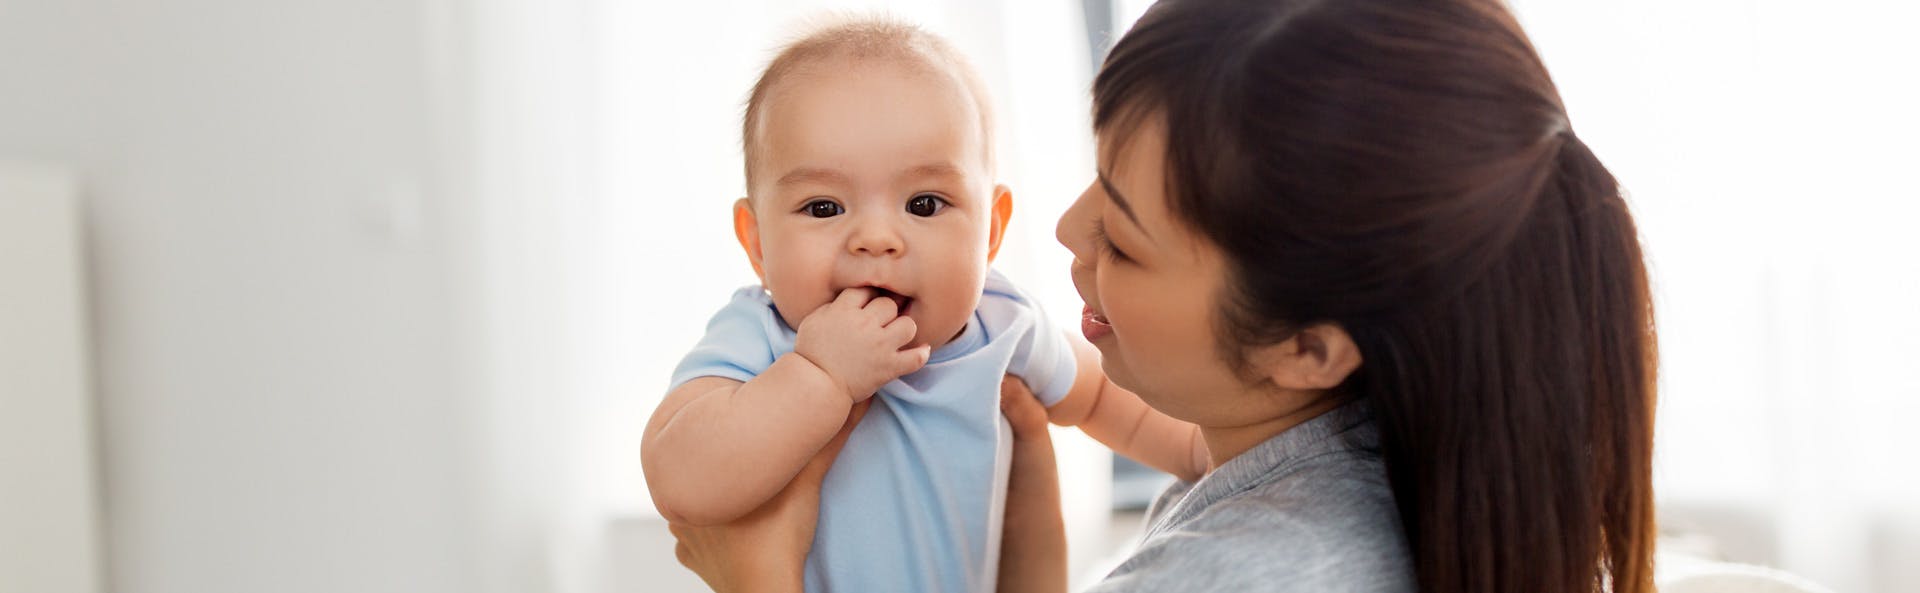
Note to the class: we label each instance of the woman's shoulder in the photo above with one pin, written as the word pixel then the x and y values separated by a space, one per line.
pixel 1325 524
pixel 1342 490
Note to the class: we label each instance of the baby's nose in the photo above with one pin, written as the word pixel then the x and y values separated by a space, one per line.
pixel 877 239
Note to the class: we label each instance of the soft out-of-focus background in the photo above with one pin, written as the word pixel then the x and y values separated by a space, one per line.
pixel 375 295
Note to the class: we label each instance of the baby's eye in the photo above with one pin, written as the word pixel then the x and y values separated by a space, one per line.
pixel 823 209
pixel 926 205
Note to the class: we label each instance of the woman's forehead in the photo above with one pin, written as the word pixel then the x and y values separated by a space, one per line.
pixel 1133 175
pixel 1132 171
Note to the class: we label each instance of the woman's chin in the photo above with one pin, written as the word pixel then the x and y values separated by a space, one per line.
pixel 1116 372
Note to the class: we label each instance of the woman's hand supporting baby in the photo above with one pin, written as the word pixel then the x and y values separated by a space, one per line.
pixel 1033 540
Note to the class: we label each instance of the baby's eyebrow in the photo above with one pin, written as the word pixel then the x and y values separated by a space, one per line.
pixel 935 170
pixel 813 175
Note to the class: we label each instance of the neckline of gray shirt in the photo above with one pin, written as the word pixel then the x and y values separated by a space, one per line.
pixel 1307 510
pixel 1346 429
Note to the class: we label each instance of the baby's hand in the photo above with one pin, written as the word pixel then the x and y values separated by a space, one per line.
pixel 857 340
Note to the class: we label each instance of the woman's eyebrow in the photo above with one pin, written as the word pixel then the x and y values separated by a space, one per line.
pixel 1121 201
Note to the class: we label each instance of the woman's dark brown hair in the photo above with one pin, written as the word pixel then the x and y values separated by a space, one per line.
pixel 1405 169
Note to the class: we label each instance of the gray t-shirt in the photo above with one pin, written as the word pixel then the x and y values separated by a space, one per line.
pixel 1307 510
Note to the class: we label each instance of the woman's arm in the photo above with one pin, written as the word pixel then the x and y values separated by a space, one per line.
pixel 1118 419
pixel 1033 541
pixel 766 550
pixel 717 449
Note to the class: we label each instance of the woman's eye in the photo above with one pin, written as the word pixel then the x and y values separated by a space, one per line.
pixel 1104 243
pixel 823 209
pixel 925 205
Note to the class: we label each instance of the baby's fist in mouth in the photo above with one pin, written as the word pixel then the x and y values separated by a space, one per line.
pixel 860 340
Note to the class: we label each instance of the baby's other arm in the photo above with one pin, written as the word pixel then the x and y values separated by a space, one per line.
pixel 1118 419
pixel 717 448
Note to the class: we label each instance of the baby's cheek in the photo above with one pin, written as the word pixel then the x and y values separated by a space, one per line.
pixel 796 297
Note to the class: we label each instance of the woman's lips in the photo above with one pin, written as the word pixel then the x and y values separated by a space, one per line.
pixel 1093 325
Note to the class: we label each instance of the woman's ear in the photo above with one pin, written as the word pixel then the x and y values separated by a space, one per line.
pixel 747 230
pixel 1318 357
pixel 997 223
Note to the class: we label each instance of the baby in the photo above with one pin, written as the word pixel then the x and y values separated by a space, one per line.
pixel 871 217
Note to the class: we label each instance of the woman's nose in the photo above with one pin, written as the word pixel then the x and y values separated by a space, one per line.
pixel 1075 222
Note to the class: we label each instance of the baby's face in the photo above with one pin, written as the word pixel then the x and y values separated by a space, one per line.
pixel 873 175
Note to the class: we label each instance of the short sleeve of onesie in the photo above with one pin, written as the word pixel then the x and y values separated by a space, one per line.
pixel 738 344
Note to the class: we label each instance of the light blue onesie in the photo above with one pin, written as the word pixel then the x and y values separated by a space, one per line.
pixel 914 501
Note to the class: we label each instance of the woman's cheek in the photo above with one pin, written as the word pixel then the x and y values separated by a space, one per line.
pixel 1116 303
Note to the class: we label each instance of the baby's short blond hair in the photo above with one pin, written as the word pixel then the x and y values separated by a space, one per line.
pixel 866 39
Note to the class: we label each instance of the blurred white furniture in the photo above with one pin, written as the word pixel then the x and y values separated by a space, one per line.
pixel 1685 574
pixel 49 506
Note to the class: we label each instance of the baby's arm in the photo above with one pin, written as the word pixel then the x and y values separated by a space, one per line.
pixel 1118 419
pixel 717 448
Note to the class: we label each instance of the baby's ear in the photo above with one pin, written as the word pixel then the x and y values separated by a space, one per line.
pixel 997 220
pixel 747 230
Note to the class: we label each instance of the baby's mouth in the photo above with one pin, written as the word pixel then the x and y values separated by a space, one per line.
pixel 900 301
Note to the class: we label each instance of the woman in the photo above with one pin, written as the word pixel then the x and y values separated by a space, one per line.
pixel 1359 245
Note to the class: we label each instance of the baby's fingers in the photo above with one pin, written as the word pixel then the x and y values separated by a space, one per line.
pixel 882 309
pixel 911 359
pixel 900 331
pixel 853 298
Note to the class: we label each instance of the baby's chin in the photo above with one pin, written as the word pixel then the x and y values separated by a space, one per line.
pixel 922 339
pixel 947 335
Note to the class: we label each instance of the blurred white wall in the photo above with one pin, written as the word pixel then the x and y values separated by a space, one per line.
pixel 283 286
